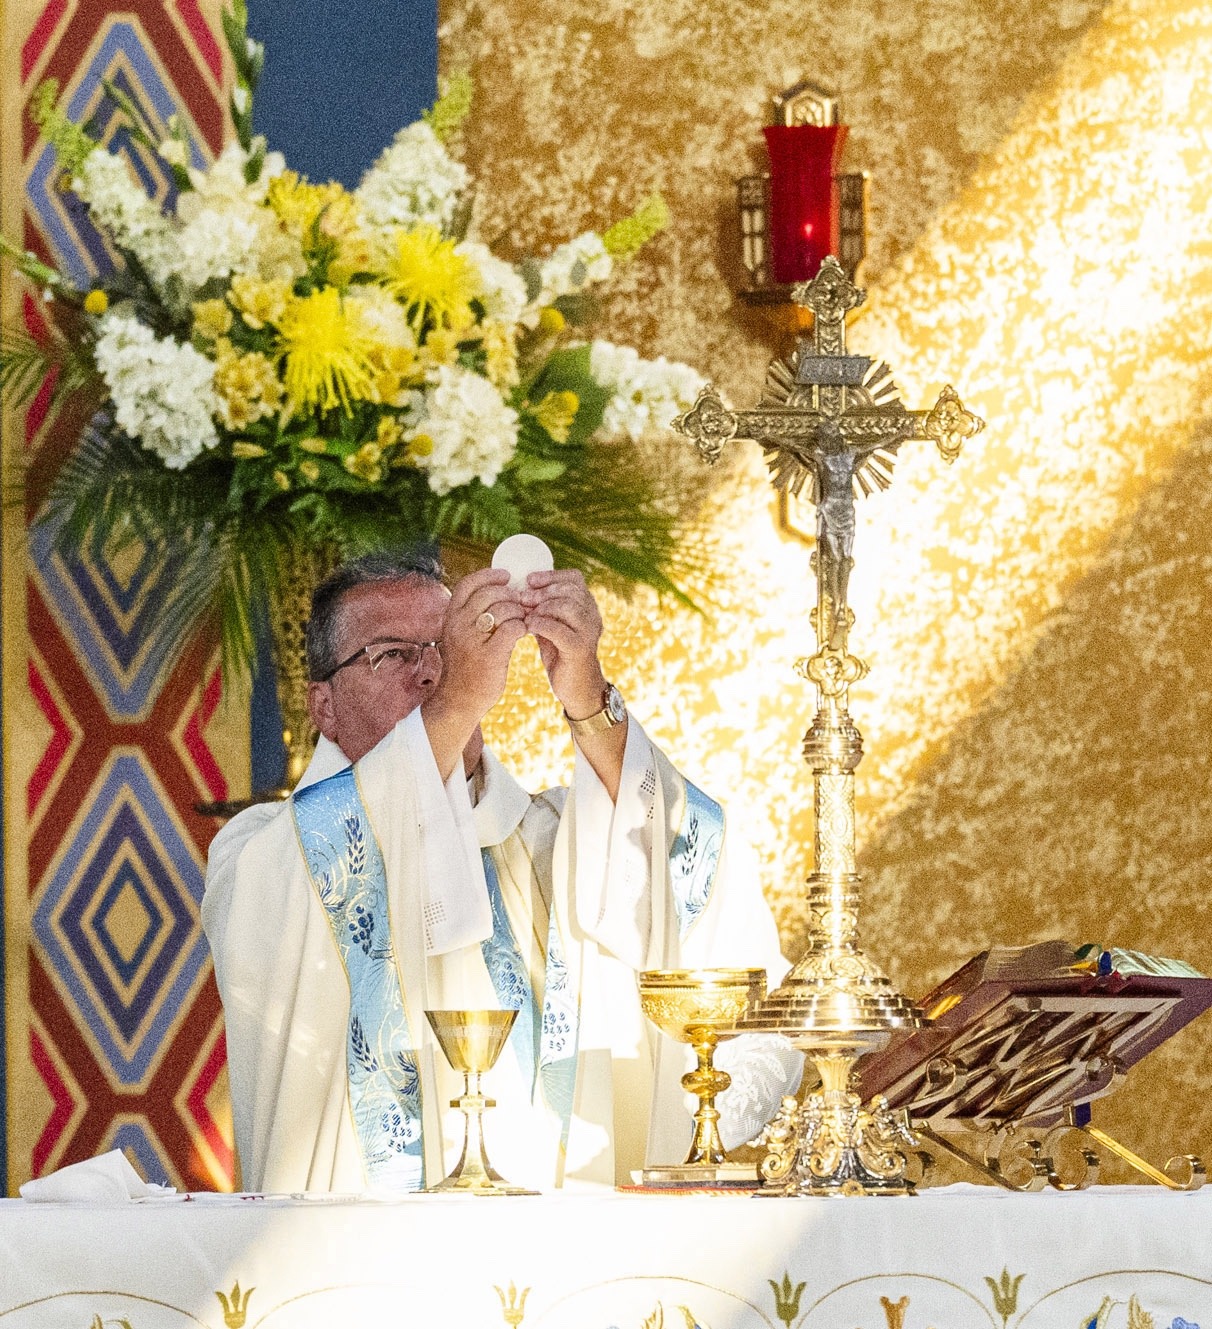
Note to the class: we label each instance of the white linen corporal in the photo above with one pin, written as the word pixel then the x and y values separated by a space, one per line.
pixel 603 867
pixel 103 1179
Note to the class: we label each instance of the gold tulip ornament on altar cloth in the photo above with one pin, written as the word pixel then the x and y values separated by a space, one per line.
pixel 830 423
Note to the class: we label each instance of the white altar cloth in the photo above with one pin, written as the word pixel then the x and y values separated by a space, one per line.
pixel 615 1261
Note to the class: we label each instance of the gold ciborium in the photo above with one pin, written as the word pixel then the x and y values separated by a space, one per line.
pixel 700 1007
pixel 472 1042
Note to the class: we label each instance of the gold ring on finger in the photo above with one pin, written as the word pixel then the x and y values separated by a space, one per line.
pixel 487 622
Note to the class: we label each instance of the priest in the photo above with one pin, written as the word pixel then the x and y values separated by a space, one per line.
pixel 409 872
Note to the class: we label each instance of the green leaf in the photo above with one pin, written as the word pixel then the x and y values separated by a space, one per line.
pixel 528 470
pixel 234 33
pixel 567 370
pixel 25 365
pixel 532 274
pixel 580 308
pixel 140 128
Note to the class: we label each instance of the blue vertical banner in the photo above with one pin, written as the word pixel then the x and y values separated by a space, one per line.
pixel 339 81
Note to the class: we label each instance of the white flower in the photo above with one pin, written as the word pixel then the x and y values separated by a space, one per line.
pixel 218 244
pixel 504 291
pixel 646 394
pixel 120 207
pixel 382 315
pixel 222 184
pixel 174 151
pixel 473 432
pixel 225 229
pixel 163 392
pixel 573 266
pixel 415 180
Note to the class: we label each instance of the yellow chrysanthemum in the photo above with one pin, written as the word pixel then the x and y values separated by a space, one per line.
pixel 366 463
pixel 428 276
pixel 316 445
pixel 299 205
pixel 556 412
pixel 212 319
pixel 96 302
pixel 327 352
pixel 259 301
pixel 247 450
pixel 501 353
pixel 247 386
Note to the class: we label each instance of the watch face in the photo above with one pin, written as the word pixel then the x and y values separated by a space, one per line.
pixel 615 706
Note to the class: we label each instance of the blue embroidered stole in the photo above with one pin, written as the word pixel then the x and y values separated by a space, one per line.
pixel 551 1057
pixel 693 862
pixel 695 857
pixel 347 871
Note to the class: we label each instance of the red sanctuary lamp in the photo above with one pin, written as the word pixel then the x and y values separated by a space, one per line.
pixel 804 222
pixel 803 210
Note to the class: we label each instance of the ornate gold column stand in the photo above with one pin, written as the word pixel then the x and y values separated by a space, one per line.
pixel 834 422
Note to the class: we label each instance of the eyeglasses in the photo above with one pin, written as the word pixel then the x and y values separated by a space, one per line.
pixel 395 658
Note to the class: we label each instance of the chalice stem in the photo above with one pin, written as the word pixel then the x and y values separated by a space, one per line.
pixel 705 1082
pixel 474 1167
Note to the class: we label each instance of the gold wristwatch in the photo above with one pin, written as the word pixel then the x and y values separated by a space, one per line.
pixel 613 712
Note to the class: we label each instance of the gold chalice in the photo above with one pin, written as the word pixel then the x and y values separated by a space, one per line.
pixel 700 1007
pixel 472 1042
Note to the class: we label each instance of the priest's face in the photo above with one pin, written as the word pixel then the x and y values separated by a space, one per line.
pixel 373 690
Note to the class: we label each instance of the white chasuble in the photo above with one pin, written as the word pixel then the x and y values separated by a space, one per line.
pixel 549 905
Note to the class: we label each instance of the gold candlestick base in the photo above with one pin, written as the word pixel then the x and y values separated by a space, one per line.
pixel 835 1006
pixel 833 1144
pixel 700 1007
pixel 472 1041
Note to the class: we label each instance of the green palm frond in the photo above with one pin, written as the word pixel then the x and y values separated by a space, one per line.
pixel 111 494
pixel 26 364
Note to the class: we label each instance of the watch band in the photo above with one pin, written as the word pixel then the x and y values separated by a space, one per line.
pixel 613 712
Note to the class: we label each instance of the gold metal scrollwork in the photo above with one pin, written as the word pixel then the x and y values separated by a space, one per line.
pixel 1072 1164
pixel 1184 1172
pixel 1018 1159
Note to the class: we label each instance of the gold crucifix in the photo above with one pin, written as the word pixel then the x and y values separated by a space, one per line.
pixel 835 420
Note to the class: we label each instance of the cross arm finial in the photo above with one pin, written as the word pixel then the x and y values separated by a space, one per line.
pixel 831 295
pixel 949 423
pixel 709 424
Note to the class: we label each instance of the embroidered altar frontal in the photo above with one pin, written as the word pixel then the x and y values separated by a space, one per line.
pixel 965 1258
pixel 113 1025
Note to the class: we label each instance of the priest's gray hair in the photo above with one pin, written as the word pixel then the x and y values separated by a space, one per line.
pixel 323 627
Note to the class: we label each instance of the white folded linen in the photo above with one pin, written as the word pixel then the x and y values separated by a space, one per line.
pixel 105 1178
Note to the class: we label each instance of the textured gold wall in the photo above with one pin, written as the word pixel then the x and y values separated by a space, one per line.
pixel 1038 713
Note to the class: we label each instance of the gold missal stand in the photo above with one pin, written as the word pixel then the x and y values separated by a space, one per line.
pixel 1019 1043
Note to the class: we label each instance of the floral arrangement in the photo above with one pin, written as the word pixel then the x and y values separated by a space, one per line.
pixel 276 368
